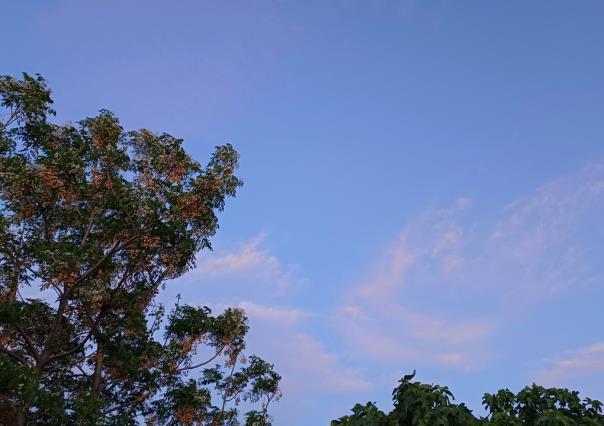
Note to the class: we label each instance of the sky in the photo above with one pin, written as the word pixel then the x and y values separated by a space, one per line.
pixel 424 180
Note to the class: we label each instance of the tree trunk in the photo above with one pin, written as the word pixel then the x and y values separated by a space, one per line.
pixel 96 383
pixel 21 417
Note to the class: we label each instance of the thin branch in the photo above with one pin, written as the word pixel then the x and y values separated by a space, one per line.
pixel 13 117
pixel 81 370
pixel 93 327
pixel 45 220
pixel 268 401
pixel 192 367
pixel 116 247
pixel 225 396
pixel 14 355
pixel 87 231
pixel 69 290
pixel 235 395
pixel 29 342
pixel 70 351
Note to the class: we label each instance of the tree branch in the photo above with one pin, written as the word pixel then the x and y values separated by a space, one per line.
pixel 72 350
pixel 87 231
pixel 69 290
pixel 29 342
pixel 225 396
pixel 116 247
pixel 14 355
pixel 192 367
pixel 97 377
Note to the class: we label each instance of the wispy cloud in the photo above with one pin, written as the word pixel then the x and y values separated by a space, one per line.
pixel 277 329
pixel 311 366
pixel 425 299
pixel 545 242
pixel 385 327
pixel 585 361
pixel 305 363
pixel 393 333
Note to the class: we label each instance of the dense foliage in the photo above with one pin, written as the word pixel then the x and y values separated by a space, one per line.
pixel 420 404
pixel 93 222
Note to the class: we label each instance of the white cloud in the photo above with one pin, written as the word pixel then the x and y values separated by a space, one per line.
pixel 250 261
pixel 276 314
pixel 278 330
pixel 249 257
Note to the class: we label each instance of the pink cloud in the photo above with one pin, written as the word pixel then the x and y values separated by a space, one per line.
pixel 312 367
pixel 376 318
pixel 251 261
pixel 305 363
pixel 533 251
pixel 582 362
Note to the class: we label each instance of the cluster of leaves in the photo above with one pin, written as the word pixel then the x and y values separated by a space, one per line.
pixel 93 222
pixel 542 406
pixel 420 404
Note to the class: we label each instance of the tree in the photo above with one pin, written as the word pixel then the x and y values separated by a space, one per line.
pixel 419 404
pixel 94 221
pixel 542 406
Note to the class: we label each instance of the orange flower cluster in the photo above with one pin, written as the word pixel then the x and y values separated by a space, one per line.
pixel 53 184
pixel 186 415
pixel 190 206
pixel 64 277
pixel 101 179
pixel 176 171
pixel 150 241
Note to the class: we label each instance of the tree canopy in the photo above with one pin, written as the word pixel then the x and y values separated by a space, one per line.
pixel 420 404
pixel 94 221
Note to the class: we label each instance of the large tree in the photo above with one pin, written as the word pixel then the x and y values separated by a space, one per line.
pixel 93 222
pixel 421 404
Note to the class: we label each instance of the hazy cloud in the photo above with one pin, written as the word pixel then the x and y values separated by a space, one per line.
pixel 585 361
pixel 425 298
pixel 310 366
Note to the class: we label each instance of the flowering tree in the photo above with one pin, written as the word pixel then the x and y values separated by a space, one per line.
pixel 93 222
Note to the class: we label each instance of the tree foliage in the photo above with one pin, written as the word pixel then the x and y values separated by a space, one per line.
pixel 420 404
pixel 94 221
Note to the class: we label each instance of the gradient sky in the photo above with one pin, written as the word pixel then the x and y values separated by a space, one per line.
pixel 424 179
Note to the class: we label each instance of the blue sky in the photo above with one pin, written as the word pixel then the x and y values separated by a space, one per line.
pixel 424 179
